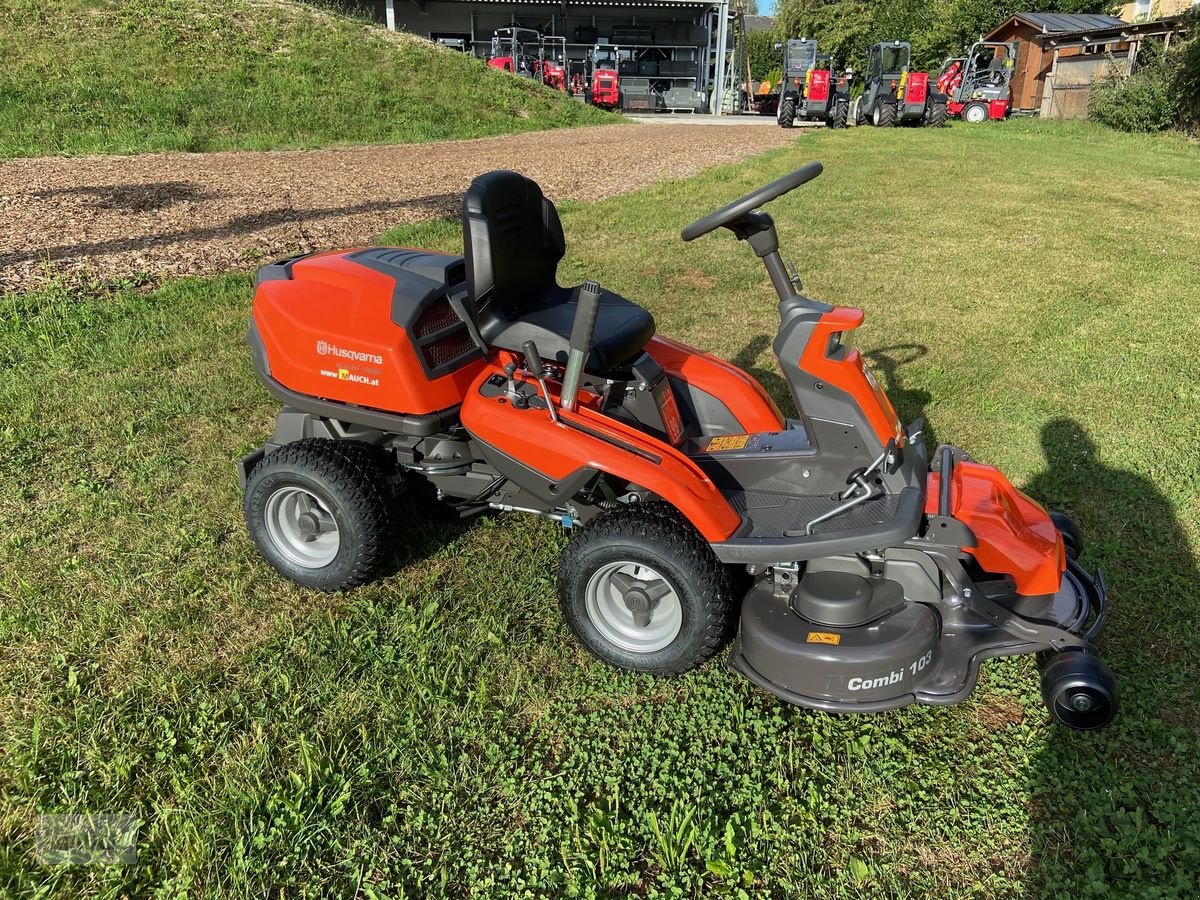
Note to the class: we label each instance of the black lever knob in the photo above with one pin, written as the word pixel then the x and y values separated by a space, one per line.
pixel 533 359
pixel 585 317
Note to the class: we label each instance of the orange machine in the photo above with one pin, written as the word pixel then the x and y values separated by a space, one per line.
pixel 851 569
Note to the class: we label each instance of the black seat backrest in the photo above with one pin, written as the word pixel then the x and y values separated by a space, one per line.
pixel 512 240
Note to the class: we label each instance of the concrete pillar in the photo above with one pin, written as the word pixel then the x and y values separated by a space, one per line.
pixel 389 7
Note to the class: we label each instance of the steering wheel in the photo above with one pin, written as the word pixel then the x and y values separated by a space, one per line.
pixel 728 215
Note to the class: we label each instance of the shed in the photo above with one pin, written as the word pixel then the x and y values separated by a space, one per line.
pixel 1034 60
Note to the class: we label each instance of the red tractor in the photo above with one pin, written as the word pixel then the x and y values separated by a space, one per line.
pixel 551 67
pixel 604 87
pixel 895 95
pixel 977 86
pixel 808 89
pixel 516 50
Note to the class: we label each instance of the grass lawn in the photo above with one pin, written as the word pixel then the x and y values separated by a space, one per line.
pixel 134 76
pixel 1029 288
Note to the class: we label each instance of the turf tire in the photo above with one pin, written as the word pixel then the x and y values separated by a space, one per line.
pixel 350 479
pixel 656 536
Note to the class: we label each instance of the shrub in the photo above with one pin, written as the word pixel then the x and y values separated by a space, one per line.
pixel 1144 101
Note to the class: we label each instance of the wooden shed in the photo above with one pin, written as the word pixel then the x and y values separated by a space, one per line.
pixel 1034 60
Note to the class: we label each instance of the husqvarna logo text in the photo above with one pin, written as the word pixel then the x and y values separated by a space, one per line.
pixel 324 348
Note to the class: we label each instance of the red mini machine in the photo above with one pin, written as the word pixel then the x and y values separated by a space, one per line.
pixel 978 85
pixel 852 570
pixel 604 86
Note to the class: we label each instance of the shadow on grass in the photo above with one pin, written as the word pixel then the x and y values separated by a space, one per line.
pixel 436 205
pixel 1123 783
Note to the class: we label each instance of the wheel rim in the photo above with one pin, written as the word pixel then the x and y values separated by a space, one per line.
pixel 875 116
pixel 302 528
pixel 976 114
pixel 634 607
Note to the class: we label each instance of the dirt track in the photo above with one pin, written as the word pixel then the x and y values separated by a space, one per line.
pixel 172 214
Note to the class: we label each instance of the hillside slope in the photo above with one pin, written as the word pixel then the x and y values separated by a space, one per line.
pixel 132 76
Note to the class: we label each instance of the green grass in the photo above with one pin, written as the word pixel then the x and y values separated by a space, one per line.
pixel 134 76
pixel 439 734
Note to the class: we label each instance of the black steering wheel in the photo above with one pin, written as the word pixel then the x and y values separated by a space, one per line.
pixel 728 215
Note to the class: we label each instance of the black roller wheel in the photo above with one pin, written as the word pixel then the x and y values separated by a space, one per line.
pixel 1071 536
pixel 975 113
pixel 937 116
pixel 318 511
pixel 643 591
pixel 841 112
pixel 787 113
pixel 1079 691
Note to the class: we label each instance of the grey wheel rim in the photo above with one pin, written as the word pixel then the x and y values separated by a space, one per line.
pixel 633 607
pixel 302 528
pixel 976 114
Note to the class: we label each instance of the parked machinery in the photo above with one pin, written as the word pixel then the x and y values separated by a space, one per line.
pixel 516 50
pixel 604 82
pixel 894 94
pixel 808 89
pixel 978 85
pixel 551 66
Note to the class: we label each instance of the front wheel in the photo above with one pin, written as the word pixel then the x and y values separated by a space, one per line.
pixel 841 112
pixel 787 113
pixel 937 116
pixel 642 591
pixel 884 115
pixel 975 113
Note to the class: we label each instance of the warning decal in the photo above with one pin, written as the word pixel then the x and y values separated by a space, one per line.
pixel 824 637
pixel 727 442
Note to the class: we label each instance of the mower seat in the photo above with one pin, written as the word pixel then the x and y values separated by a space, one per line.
pixel 513 241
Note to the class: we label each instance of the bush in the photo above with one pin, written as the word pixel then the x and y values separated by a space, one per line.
pixel 1145 101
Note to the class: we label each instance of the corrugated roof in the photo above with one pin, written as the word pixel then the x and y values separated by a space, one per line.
pixel 760 23
pixel 1060 22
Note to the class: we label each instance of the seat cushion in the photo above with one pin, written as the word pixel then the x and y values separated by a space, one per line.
pixel 622 329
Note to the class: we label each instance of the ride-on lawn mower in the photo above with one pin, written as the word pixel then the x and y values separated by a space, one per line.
pixel 871 574
pixel 894 95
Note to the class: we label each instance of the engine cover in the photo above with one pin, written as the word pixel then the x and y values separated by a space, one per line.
pixel 373 327
pixel 877 665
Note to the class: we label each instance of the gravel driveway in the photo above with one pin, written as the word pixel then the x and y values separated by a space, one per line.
pixel 173 214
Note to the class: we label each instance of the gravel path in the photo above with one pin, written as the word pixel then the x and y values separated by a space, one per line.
pixel 173 214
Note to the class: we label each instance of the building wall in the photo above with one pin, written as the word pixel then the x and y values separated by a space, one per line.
pixel 1153 9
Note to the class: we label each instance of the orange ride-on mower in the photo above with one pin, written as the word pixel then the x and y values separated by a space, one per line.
pixel 871 574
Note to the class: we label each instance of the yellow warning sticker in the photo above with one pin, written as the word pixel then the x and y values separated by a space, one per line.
pixel 824 637
pixel 728 442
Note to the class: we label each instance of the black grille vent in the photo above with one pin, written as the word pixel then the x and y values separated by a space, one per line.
pixel 435 318
pixel 448 349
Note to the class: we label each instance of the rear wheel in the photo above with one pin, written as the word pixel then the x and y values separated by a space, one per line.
pixel 787 112
pixel 937 116
pixel 643 591
pixel 975 113
pixel 884 115
pixel 318 511
pixel 841 112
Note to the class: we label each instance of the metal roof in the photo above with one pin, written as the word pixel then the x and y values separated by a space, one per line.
pixel 760 23
pixel 1059 22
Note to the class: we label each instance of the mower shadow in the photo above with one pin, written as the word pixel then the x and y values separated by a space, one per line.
pixel 1130 529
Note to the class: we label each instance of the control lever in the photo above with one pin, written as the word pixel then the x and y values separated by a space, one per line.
pixel 794 276
pixel 515 397
pixel 582 332
pixel 533 360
